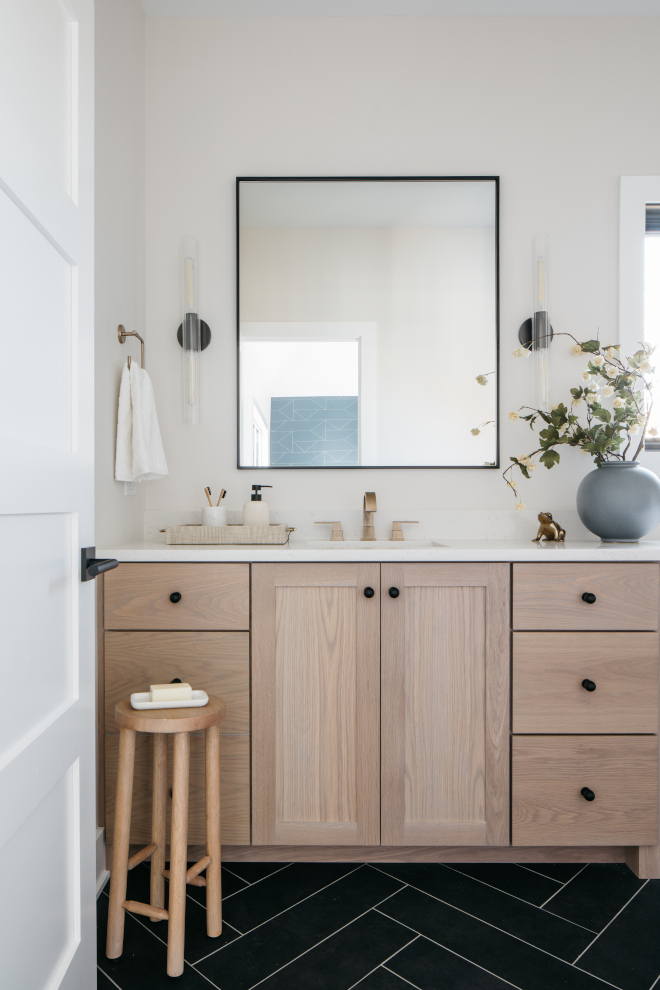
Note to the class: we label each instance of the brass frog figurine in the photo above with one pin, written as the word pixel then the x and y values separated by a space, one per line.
pixel 549 529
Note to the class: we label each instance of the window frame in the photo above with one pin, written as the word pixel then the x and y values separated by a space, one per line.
pixel 635 192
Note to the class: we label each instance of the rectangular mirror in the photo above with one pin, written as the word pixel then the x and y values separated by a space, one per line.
pixel 366 310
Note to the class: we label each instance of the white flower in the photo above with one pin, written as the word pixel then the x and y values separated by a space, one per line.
pixel 525 459
pixel 618 403
pixel 610 371
pixel 513 416
pixel 598 360
pixel 607 391
pixel 532 467
pixel 653 432
pixel 521 352
pixel 520 506
pixel 576 402
pixel 577 349
pixel 641 420
pixel 586 376
pixel 610 352
pixel 633 429
pixel 475 432
pixel 482 380
pixel 646 366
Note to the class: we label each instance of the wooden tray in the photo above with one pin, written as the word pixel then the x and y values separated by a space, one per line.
pixel 235 535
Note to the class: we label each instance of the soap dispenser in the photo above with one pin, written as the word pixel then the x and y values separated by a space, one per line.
pixel 256 512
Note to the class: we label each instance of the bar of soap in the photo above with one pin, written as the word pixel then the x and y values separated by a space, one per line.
pixel 171 692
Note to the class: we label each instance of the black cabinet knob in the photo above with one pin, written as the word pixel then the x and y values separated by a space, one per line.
pixel 175 680
pixel 393 592
pixel 175 597
pixel 369 592
pixel 587 794
pixel 588 597
pixel 588 685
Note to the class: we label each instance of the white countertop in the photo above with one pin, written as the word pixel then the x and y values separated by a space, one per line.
pixel 452 550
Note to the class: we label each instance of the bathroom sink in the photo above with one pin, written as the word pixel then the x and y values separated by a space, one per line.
pixel 371 544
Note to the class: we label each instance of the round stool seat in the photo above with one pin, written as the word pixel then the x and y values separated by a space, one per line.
pixel 170 719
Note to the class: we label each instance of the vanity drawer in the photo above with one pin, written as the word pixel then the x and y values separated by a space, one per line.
pixel 215 662
pixel 549 596
pixel 548 773
pixel 548 670
pixel 213 596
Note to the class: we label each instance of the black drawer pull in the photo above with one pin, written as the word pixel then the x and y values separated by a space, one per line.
pixel 175 597
pixel 393 592
pixel 589 597
pixel 587 794
pixel 369 592
pixel 588 685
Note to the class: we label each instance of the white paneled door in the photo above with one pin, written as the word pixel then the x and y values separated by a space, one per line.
pixel 47 752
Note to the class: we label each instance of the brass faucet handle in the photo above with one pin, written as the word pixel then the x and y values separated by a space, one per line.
pixel 397 533
pixel 370 502
pixel 337 534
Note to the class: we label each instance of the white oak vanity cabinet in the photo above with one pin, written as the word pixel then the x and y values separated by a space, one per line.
pixel 380 704
pixel 427 710
pixel 585 707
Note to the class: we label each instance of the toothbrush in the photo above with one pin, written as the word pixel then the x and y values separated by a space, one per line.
pixel 207 492
pixel 222 495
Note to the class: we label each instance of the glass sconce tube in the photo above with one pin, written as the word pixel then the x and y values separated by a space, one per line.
pixel 541 330
pixel 191 343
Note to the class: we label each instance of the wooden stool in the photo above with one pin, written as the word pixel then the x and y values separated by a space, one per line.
pixel 180 722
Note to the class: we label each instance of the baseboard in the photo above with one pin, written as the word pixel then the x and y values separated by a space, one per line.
pixel 101 873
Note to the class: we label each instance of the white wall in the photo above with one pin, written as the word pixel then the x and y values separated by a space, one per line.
pixel 559 108
pixel 119 245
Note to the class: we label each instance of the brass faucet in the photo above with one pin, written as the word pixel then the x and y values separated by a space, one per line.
pixel 368 509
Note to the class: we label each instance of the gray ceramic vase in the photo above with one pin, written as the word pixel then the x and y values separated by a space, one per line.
pixel 619 501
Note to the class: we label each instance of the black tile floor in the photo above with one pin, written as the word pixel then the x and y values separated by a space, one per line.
pixel 336 926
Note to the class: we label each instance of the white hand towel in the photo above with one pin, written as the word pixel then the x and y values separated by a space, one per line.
pixel 140 455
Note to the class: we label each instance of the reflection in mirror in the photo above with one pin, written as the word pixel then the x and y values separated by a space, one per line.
pixel 367 309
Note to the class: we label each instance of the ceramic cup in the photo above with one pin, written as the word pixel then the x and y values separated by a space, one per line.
pixel 216 516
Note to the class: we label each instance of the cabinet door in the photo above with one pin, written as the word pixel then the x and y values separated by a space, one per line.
pixel 445 698
pixel 315 704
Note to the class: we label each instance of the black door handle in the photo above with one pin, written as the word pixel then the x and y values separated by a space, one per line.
pixel 393 592
pixel 369 592
pixel 175 597
pixel 588 597
pixel 587 794
pixel 588 685
pixel 91 565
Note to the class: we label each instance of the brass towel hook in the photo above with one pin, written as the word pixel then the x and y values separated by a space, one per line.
pixel 122 333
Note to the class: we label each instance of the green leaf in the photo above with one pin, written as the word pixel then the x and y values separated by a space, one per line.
pixel 603 415
pixel 549 458
pixel 591 346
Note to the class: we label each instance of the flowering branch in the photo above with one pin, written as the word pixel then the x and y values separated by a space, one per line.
pixel 607 375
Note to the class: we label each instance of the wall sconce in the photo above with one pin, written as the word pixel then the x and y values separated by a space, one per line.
pixel 536 333
pixel 193 334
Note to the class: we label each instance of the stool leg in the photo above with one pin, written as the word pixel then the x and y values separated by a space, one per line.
pixel 213 883
pixel 178 854
pixel 159 820
pixel 115 940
